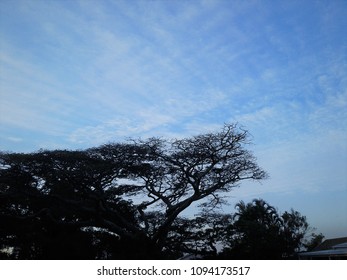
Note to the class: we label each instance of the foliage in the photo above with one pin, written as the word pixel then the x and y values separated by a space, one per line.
pixel 316 239
pixel 260 232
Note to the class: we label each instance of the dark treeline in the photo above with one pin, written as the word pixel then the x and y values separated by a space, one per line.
pixel 125 201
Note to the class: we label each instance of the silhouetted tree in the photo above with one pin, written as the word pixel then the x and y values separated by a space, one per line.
pixel 294 229
pixel 316 239
pixel 189 170
pixel 260 232
pixel 51 200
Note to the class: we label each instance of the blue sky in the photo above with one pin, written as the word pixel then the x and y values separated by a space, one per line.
pixel 76 74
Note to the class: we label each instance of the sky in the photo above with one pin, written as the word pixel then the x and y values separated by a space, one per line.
pixel 77 74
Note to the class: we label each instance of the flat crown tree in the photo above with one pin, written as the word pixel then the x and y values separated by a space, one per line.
pixel 192 169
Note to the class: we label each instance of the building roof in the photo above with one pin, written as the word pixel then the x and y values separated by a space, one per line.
pixel 330 243
pixel 340 246
pixel 330 248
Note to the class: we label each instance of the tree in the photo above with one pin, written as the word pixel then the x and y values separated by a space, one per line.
pixel 199 237
pixel 49 198
pixel 118 189
pixel 315 240
pixel 294 230
pixel 260 232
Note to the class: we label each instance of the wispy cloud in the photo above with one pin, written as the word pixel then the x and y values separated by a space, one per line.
pixel 111 60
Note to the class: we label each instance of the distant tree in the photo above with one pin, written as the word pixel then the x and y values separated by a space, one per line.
pixel 115 192
pixel 260 232
pixel 314 241
pixel 294 230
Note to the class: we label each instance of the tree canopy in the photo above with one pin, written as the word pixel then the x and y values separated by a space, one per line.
pixel 122 200
pixel 259 231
